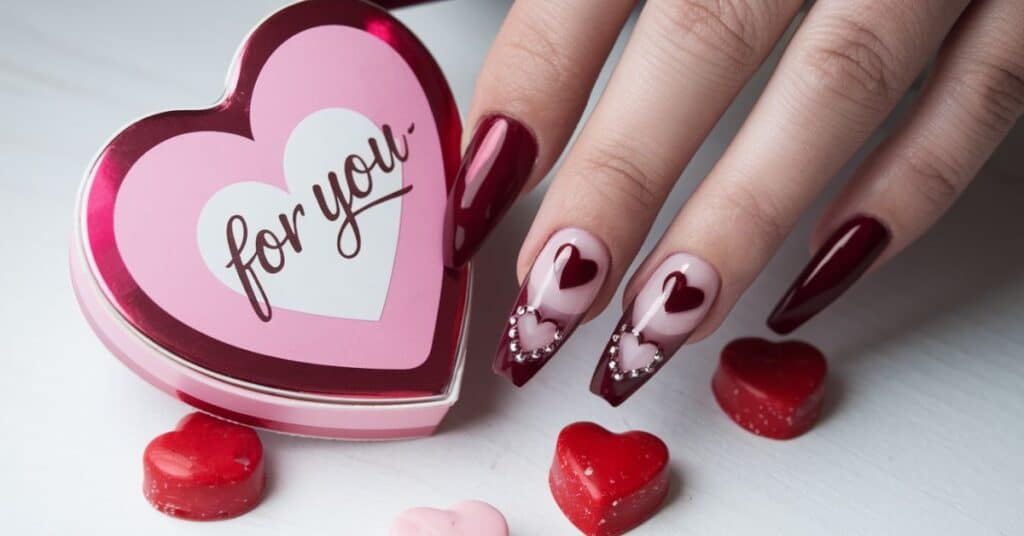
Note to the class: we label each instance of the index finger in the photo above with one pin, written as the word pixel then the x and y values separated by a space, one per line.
pixel 531 92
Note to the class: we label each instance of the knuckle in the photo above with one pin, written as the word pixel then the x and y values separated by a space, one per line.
pixel 533 50
pixel 851 61
pixel 992 94
pixel 618 177
pixel 933 176
pixel 731 31
pixel 758 210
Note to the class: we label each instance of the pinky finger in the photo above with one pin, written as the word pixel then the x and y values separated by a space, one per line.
pixel 973 98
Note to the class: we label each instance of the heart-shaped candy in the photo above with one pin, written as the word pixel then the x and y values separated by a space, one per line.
pixel 608 483
pixel 574 270
pixel 682 297
pixel 468 518
pixel 773 389
pixel 206 469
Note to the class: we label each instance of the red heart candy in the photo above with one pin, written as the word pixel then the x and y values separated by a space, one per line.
pixel 771 389
pixel 206 469
pixel 606 483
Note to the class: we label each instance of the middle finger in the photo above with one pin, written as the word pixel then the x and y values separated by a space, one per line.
pixel 681 68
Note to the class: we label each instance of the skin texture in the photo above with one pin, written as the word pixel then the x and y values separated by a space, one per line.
pixel 846 66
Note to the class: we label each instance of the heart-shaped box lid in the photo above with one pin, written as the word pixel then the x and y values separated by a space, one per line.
pixel 288 239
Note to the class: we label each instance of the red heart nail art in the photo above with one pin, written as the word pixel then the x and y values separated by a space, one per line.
pixel 576 271
pixel 771 389
pixel 681 296
pixel 206 469
pixel 606 483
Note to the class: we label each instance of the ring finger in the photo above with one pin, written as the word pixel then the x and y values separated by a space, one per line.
pixel 847 66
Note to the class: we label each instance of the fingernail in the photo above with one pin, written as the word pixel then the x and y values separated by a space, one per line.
pixel 837 265
pixel 494 169
pixel 664 313
pixel 561 287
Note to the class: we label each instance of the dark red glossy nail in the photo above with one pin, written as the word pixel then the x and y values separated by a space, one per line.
pixel 494 169
pixel 837 265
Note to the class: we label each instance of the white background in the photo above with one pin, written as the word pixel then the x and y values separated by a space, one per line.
pixel 924 431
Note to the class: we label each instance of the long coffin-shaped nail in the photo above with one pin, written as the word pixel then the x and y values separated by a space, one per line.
pixel 670 305
pixel 494 169
pixel 837 265
pixel 561 287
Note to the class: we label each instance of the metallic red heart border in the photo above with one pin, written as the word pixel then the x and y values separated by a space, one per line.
pixel 231 115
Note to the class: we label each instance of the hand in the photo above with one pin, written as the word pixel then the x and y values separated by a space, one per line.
pixel 847 65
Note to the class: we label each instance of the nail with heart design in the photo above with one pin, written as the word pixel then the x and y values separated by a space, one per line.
pixel 497 163
pixel 670 305
pixel 562 285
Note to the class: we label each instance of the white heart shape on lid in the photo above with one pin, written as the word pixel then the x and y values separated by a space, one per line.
pixel 535 334
pixel 309 280
pixel 634 354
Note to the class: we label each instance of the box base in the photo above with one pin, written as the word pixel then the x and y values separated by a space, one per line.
pixel 289 413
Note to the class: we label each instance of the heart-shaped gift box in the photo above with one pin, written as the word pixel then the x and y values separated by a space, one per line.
pixel 277 259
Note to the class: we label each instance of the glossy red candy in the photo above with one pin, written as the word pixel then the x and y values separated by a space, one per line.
pixel 772 389
pixel 608 483
pixel 206 469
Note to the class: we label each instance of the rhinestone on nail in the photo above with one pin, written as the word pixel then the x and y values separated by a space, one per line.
pixel 613 356
pixel 515 346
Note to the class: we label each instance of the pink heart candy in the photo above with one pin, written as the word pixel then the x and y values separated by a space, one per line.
pixel 467 518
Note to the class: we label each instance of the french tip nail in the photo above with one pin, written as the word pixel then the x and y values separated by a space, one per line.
pixel 516 373
pixel 672 302
pixel 613 401
pixel 566 277
pixel 614 391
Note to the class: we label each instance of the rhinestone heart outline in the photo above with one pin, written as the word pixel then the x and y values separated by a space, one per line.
pixel 613 352
pixel 514 344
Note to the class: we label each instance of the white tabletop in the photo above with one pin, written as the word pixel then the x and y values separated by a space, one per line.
pixel 924 432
